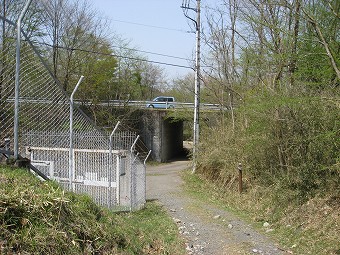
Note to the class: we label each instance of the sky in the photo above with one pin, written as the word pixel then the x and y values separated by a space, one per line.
pixel 157 26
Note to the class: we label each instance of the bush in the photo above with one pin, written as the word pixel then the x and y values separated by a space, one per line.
pixel 293 140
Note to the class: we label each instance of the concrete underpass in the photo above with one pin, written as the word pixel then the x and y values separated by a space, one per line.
pixel 162 135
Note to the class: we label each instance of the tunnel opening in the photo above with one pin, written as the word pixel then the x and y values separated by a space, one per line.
pixel 164 136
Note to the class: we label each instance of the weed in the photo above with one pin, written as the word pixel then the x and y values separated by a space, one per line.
pixel 41 218
pixel 312 228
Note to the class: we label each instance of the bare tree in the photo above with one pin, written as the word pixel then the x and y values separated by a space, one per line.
pixel 54 24
pixel 73 29
pixel 153 80
pixel 224 43
pixel 320 34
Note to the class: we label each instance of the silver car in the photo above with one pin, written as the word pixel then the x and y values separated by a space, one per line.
pixel 162 102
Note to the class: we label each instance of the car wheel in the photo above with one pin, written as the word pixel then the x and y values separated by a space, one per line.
pixel 150 106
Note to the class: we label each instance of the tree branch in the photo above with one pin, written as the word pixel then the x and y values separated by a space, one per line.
pixel 324 42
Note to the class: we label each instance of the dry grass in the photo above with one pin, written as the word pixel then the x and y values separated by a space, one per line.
pixel 40 218
pixel 310 228
pixel 316 224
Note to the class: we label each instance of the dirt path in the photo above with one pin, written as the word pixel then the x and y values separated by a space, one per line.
pixel 206 229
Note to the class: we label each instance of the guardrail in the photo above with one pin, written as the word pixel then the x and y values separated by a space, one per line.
pixel 177 105
pixel 123 103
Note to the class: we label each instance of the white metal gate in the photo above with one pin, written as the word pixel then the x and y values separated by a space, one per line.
pixel 108 178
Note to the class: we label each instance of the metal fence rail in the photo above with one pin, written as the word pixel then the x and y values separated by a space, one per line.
pixel 103 168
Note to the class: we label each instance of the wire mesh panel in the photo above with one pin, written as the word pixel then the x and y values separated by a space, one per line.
pixel 7 84
pixel 95 175
pixel 59 157
pixel 138 185
pixel 44 131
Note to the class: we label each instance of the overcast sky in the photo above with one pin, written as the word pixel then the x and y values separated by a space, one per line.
pixel 157 26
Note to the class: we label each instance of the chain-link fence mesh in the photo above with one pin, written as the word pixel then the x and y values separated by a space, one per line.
pixel 98 169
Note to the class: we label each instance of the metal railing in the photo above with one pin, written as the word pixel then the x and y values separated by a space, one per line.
pixel 122 103
pixel 144 104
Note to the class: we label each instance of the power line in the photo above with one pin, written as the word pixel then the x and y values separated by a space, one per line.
pixel 116 55
pixel 152 26
pixel 153 53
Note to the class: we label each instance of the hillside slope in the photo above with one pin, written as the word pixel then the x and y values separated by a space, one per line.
pixel 40 218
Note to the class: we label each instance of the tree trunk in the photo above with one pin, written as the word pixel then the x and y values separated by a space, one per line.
pixel 292 65
pixel 324 43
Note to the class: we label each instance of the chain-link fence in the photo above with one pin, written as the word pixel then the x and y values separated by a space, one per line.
pixel 103 167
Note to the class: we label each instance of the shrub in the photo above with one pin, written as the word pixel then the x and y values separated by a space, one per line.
pixel 293 140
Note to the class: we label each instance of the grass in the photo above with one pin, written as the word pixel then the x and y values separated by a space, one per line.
pixel 312 228
pixel 40 218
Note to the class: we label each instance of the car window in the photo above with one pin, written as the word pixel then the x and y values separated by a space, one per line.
pixel 163 99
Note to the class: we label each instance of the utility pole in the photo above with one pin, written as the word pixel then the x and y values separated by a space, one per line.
pixel 197 23
pixel 197 85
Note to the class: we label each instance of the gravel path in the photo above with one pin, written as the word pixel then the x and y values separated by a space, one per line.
pixel 206 229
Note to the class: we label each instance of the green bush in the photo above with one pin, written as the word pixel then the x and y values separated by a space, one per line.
pixel 278 137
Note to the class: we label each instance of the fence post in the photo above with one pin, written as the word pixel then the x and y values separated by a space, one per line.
pixel 110 169
pixel 17 85
pixel 131 165
pixel 71 154
pixel 240 183
pixel 133 145
pixel 144 163
pixel 146 158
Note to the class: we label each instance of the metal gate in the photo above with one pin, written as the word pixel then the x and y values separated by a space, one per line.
pixel 112 178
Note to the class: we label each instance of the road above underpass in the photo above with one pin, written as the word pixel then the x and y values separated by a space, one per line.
pixel 122 103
